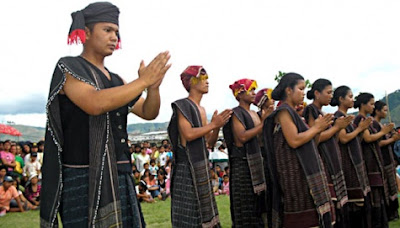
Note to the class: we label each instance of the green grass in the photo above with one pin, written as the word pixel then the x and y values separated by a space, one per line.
pixel 155 214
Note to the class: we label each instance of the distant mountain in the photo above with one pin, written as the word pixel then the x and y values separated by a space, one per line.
pixel 29 133
pixel 141 128
pixel 35 134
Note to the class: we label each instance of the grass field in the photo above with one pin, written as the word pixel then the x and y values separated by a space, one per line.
pixel 155 214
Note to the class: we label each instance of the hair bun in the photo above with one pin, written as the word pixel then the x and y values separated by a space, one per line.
pixel 310 95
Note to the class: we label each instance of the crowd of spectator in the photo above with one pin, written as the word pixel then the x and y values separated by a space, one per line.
pixel 152 171
pixel 20 176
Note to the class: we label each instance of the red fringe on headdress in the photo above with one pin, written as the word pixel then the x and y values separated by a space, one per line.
pixel 118 45
pixel 77 36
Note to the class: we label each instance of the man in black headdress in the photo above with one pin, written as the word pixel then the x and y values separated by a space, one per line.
pixel 87 175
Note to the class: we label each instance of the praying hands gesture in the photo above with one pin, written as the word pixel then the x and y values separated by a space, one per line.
pixel 364 124
pixel 322 122
pixel 221 119
pixel 343 122
pixel 154 73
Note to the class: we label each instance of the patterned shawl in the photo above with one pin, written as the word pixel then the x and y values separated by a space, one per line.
pixel 197 154
pixel 331 156
pixel 104 204
pixel 312 168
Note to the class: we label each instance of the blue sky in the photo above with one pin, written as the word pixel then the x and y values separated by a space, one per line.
pixel 354 43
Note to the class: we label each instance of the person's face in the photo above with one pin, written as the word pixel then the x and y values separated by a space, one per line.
pixel 201 85
pixel 143 151
pixel 13 150
pixel 226 179
pixel 33 158
pixel 153 164
pixel 369 107
pixel 137 174
pixel 34 180
pixel 14 183
pixel 383 112
pixel 348 100
pixel 325 96
pixel 7 146
pixel 41 147
pixel 19 150
pixel 7 185
pixel 268 103
pixel 27 149
pixel 103 38
pixel 3 172
pixel 249 97
pixel 161 149
pixel 218 169
pixel 146 166
pixel 297 93
pixel 137 149
pixel 34 149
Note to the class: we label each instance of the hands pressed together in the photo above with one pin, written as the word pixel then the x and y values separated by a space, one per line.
pixel 154 72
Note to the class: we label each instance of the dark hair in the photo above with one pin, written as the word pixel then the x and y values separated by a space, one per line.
pixel 152 160
pixel 340 92
pixel 226 168
pixel 3 167
pixel 153 145
pixel 225 176
pixel 319 85
pixel 166 146
pixel 362 98
pixel 288 80
pixel 378 107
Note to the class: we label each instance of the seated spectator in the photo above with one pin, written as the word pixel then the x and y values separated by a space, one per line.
pixel 162 157
pixel 146 169
pixel 153 167
pixel 142 159
pixel 226 171
pixel 32 166
pixel 225 185
pixel 7 193
pixel 7 157
pixel 153 187
pixel 19 162
pixel 27 205
pixel 32 190
pixel 154 151
pixel 143 195
pixel 218 171
pixel 168 168
pixel 26 149
pixel 161 182
pixel 3 173
pixel 136 176
pixel 168 151
pixel 214 182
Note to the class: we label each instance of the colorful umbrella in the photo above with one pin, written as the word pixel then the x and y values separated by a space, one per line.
pixel 8 130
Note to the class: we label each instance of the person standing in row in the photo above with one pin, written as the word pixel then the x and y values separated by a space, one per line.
pixel 389 164
pixel 300 193
pixel 321 93
pixel 247 179
pixel 192 201
pixel 357 208
pixel 373 159
pixel 87 175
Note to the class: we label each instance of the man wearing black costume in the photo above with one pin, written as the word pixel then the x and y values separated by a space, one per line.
pixel 87 175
